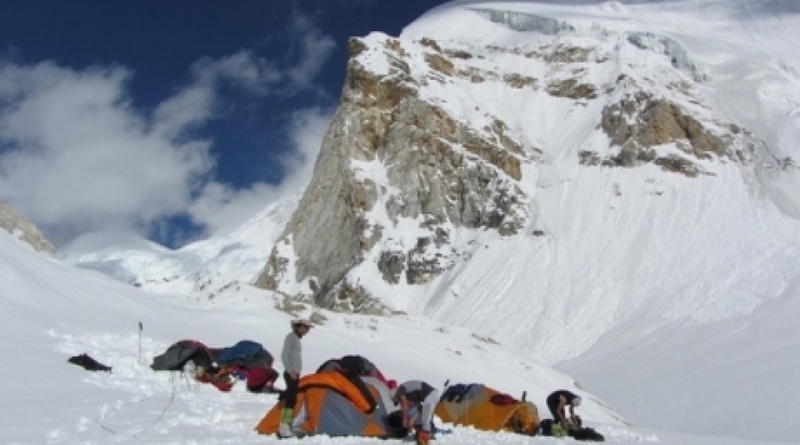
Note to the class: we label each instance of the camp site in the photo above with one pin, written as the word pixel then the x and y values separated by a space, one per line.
pixel 56 401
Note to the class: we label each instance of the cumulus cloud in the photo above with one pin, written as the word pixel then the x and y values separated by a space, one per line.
pixel 222 208
pixel 77 156
pixel 195 104
pixel 307 129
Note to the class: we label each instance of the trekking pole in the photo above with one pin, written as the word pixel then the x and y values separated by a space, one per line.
pixel 141 328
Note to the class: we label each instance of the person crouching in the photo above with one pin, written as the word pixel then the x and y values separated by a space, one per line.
pixel 417 401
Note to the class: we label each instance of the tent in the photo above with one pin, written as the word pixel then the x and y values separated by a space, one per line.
pixel 221 367
pixel 358 365
pixel 244 354
pixel 176 356
pixel 487 409
pixel 337 405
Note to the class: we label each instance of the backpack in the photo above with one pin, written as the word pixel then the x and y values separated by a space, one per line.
pixel 245 353
pixel 354 363
pixel 546 427
pixel 257 378
pixel 502 399
pixel 586 434
pixel 458 392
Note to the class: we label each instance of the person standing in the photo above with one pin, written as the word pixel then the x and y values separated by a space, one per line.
pixel 560 399
pixel 417 400
pixel 292 357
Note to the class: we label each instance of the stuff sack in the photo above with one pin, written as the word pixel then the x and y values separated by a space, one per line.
pixel 586 434
pixel 88 363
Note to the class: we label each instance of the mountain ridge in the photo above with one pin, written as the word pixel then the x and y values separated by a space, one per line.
pixel 617 112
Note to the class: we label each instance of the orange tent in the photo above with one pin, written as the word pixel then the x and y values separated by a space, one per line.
pixel 487 409
pixel 333 404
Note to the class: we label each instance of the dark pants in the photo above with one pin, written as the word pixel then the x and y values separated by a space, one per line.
pixel 552 403
pixel 290 394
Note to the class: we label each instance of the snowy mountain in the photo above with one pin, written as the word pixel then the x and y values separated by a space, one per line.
pixel 202 269
pixel 608 187
pixel 587 152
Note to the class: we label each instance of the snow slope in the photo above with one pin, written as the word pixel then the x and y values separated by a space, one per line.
pixel 736 375
pixel 53 311
pixel 621 241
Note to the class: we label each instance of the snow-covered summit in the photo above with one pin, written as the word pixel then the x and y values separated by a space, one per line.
pixel 580 162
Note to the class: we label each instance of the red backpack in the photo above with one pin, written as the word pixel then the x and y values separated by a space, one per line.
pixel 503 399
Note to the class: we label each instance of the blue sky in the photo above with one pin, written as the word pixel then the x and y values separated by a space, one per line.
pixel 176 119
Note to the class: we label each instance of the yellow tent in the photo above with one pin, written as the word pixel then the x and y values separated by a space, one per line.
pixel 487 409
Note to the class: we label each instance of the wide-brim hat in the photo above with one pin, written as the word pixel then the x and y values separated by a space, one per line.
pixel 302 322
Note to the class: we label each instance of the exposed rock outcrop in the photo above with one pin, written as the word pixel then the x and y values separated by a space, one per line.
pixel 390 152
pixel 643 126
pixel 16 224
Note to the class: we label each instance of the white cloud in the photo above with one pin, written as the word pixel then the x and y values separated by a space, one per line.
pixel 76 156
pixel 307 129
pixel 194 105
pixel 222 208
pixel 315 50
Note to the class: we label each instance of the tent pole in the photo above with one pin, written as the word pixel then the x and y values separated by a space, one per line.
pixel 141 328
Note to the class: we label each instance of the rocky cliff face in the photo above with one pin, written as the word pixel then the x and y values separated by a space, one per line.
pixel 18 225
pixel 432 170
pixel 418 151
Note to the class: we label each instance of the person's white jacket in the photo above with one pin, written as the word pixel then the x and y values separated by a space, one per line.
pixel 292 353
